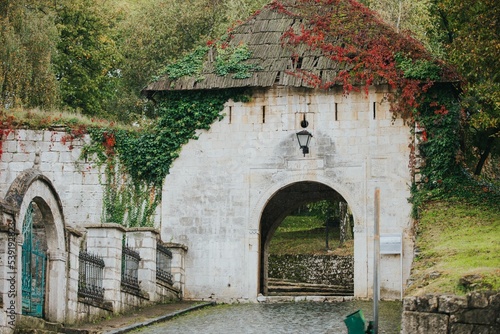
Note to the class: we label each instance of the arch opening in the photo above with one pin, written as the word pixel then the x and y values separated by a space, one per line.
pixel 334 220
pixel 40 216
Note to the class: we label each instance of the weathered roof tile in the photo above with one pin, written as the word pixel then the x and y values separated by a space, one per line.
pixel 263 34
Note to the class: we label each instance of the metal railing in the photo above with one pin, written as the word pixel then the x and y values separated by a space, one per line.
pixel 130 268
pixel 90 276
pixel 163 264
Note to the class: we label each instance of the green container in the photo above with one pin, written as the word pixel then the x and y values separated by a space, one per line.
pixel 355 323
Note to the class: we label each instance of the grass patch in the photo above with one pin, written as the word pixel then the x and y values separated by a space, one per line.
pixel 306 235
pixel 38 119
pixel 459 247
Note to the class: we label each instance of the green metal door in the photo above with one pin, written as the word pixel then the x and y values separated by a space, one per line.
pixel 33 266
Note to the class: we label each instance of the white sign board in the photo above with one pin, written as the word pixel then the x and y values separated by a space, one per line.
pixel 391 244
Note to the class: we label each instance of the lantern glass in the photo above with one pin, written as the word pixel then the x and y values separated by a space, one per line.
pixel 304 137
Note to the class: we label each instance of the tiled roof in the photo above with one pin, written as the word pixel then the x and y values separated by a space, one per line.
pixel 275 61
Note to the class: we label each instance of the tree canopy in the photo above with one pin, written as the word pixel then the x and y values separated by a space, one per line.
pixel 470 33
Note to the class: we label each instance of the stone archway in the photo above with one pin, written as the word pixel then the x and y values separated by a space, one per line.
pixel 32 189
pixel 280 205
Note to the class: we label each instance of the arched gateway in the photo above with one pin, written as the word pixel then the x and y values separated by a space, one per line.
pixel 228 190
pixel 279 206
pixel 41 246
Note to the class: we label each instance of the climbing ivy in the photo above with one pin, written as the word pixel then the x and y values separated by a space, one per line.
pixel 231 59
pixel 369 52
pixel 420 69
pixel 228 59
pixel 136 163
pixel 439 117
pixel 190 65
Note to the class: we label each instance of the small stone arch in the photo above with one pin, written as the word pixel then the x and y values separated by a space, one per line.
pixel 32 186
pixel 317 188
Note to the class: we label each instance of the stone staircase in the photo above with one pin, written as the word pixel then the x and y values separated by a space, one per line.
pixel 280 287
pixel 32 325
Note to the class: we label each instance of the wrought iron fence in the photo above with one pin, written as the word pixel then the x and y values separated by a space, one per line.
pixel 90 276
pixel 130 268
pixel 163 264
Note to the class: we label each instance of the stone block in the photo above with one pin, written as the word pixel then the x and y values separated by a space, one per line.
pixel 18 167
pixel 424 323
pixel 475 316
pixel 9 146
pixel 449 304
pixel 34 135
pixel 461 328
pixel 478 300
pixel 427 303
pixel 494 301
pixel 49 157
pixel 24 157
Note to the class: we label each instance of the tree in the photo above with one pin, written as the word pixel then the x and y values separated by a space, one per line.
pixel 159 32
pixel 27 38
pixel 87 61
pixel 470 31
pixel 410 16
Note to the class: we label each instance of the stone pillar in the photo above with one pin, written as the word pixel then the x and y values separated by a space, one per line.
pixel 178 269
pixel 74 238
pixel 56 283
pixel 105 240
pixel 143 240
pixel 252 262
pixel 10 279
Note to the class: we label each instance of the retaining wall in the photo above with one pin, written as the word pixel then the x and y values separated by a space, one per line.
pixel 319 269
pixel 476 313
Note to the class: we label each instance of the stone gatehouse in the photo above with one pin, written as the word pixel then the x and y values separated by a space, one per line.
pixel 223 200
pixel 230 189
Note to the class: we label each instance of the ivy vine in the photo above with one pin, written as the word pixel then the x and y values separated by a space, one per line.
pixel 190 65
pixel 231 59
pixel 136 163
pixel 420 69
pixel 228 59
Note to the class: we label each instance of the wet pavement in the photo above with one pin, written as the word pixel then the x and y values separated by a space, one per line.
pixel 277 318
pixel 138 318
pixel 274 318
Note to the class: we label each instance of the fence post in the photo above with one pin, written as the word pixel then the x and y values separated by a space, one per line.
pixel 74 240
pixel 178 270
pixel 143 240
pixel 105 240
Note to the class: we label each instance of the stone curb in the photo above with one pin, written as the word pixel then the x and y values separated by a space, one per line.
pixel 159 319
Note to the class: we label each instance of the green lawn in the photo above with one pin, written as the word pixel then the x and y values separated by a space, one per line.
pixel 458 243
pixel 459 248
pixel 305 235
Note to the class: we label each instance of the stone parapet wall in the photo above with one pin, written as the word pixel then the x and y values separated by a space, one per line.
pixel 319 269
pixel 57 157
pixel 478 312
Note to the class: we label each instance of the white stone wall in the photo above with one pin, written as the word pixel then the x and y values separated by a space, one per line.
pixel 76 182
pixel 216 191
pixel 218 187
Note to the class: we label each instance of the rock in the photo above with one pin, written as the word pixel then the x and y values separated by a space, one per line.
pixel 450 304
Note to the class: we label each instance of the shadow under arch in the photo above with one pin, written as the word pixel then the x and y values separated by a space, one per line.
pixel 283 202
pixel 31 186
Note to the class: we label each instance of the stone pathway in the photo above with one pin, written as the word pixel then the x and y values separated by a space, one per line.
pixel 136 318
